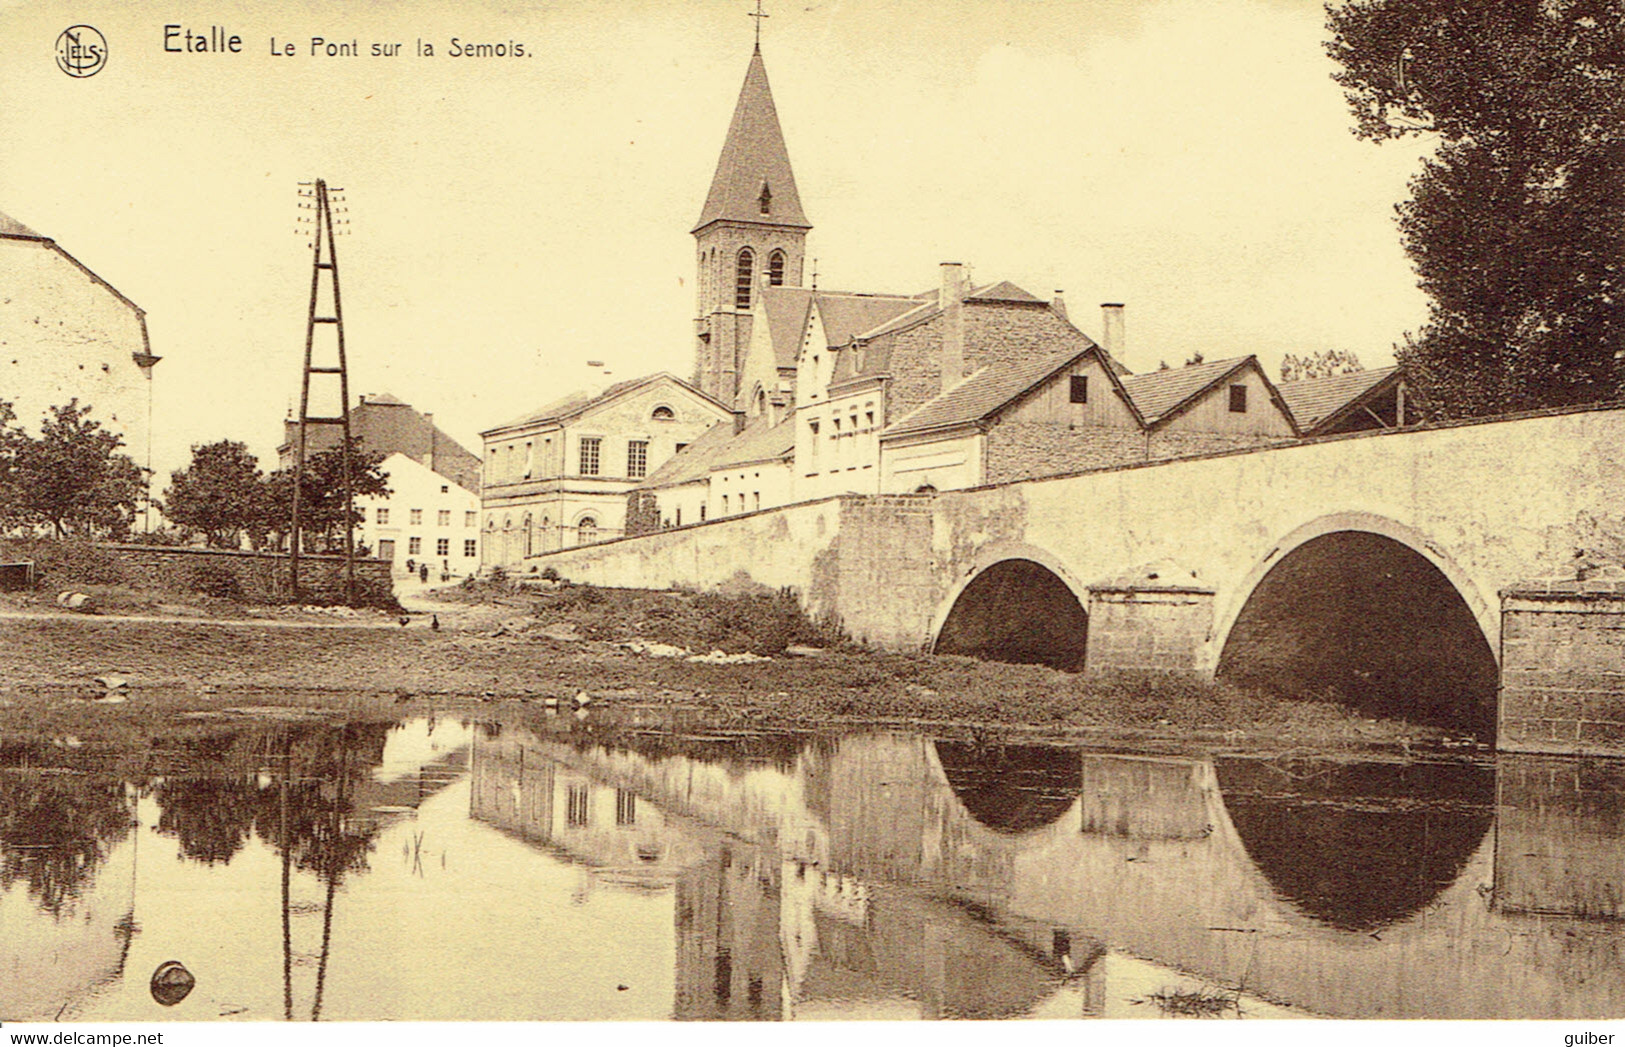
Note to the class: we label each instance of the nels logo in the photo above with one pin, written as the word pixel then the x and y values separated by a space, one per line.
pixel 81 51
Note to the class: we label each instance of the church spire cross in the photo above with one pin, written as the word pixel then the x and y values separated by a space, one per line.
pixel 758 14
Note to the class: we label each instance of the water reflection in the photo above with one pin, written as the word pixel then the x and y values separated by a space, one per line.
pixel 595 869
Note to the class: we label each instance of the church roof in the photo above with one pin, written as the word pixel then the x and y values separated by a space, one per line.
pixel 1313 400
pixel 753 157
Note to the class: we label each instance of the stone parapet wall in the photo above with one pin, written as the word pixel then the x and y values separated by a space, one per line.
pixel 1563 668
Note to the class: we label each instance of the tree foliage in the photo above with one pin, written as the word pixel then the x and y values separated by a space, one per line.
pixel 220 495
pixel 1516 225
pixel 71 478
pixel 321 498
pixel 1324 364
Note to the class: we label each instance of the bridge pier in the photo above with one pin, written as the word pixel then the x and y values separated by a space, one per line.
pixel 1144 625
pixel 1563 668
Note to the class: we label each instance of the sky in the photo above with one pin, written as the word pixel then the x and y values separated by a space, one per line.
pixel 513 219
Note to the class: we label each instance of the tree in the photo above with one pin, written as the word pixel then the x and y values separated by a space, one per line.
pixel 72 477
pixel 1516 226
pixel 321 498
pixel 220 495
pixel 1323 364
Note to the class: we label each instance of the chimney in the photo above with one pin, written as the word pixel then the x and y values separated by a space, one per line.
pixel 952 300
pixel 1112 337
pixel 1058 303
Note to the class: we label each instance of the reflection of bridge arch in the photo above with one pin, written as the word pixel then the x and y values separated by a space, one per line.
pixel 1017 603
pixel 1371 610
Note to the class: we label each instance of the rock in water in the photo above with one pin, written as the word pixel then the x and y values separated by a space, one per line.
pixel 172 983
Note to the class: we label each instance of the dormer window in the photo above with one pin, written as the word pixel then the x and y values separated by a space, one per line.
pixel 1238 399
pixel 766 199
pixel 775 268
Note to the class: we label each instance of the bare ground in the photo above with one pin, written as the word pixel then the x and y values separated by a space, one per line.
pixel 499 651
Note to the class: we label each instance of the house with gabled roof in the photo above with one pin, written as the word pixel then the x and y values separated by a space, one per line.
pixel 558 476
pixel 1217 405
pixel 1348 403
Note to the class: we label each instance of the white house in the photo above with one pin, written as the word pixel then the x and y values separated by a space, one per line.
pixel 427 519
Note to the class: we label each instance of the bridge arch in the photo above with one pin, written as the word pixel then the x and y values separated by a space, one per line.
pixel 1369 608
pixel 1016 603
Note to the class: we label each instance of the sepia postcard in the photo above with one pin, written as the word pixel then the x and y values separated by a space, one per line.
pixel 748 511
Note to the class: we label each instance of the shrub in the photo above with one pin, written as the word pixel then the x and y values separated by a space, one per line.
pixel 214 579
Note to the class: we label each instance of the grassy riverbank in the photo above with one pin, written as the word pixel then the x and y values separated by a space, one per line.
pixel 505 648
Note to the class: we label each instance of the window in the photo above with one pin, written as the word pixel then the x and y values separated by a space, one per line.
pixel 414 546
pixel 589 455
pixel 626 807
pixel 1080 389
pixel 383 516
pixel 680 448
pixel 530 540
pixel 442 546
pixel 575 811
pixel 679 516
pixel 443 518
pixel 468 519
pixel 742 278
pixel 471 548
pixel 637 458
pixel 530 461
pixel 446 489
pixel 724 505
pixel 586 531
pixel 765 199
pixel 1238 399
pixel 756 500
pixel 386 548
pixel 702 512
pixel 416 516
pixel 775 268
pixel 664 414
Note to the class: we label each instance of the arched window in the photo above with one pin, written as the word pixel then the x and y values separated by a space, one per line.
pixel 664 414
pixel 759 402
pixel 530 537
pixel 742 280
pixel 765 199
pixel 775 268
pixel 586 530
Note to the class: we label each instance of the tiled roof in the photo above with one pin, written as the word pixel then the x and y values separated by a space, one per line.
pixel 983 393
pixel 1158 393
pixel 759 442
pixel 786 309
pixel 849 316
pixel 719 447
pixel 1313 400
pixel 754 155
pixel 9 226
pixel 577 402
pixel 1003 291
pixel 694 461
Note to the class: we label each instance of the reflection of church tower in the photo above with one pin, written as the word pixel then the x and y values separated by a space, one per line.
pixel 752 231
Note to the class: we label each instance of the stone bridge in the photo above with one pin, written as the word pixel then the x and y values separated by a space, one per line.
pixel 1491 895
pixel 1463 575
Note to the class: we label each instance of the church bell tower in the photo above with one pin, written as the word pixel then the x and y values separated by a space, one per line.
pixel 752 232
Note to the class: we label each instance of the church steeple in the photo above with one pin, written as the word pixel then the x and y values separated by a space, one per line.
pixel 752 232
pixel 753 181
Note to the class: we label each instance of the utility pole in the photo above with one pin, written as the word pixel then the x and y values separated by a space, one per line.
pixel 320 227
